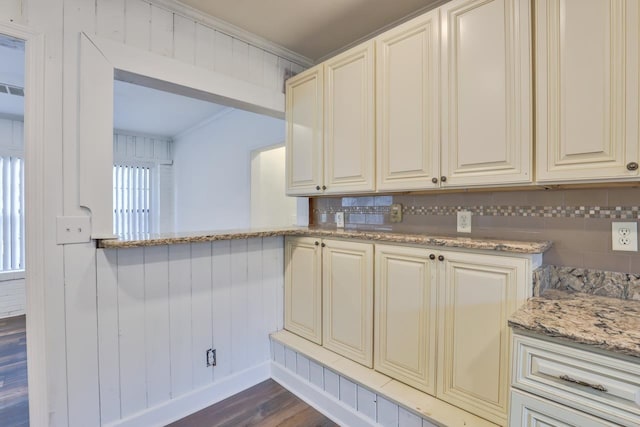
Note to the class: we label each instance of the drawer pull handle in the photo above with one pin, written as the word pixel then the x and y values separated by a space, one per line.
pixel 568 379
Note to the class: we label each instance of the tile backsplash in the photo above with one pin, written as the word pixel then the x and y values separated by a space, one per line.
pixel 578 221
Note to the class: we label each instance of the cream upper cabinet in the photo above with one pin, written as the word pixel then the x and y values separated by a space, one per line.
pixel 587 94
pixel 349 132
pixel 486 92
pixel 303 287
pixel 347 286
pixel 477 294
pixel 407 105
pixel 304 168
pixel 405 317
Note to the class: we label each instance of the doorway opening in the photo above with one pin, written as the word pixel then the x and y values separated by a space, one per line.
pixel 14 401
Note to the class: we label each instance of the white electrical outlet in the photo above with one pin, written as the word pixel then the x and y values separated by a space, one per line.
pixel 464 222
pixel 340 219
pixel 624 236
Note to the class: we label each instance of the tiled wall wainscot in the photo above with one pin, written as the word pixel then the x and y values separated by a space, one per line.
pixel 578 221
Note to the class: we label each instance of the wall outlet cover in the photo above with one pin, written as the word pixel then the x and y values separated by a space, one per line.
pixel 395 212
pixel 464 222
pixel 340 219
pixel 624 236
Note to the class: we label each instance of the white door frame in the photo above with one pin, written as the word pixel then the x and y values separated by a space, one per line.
pixel 34 213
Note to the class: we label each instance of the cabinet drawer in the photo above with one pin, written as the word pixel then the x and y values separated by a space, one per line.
pixel 531 411
pixel 604 386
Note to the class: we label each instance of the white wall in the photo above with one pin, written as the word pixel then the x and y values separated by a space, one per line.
pixel 212 169
pixel 160 308
pixel 161 27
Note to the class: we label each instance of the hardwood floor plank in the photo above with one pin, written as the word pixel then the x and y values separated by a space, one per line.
pixel 14 398
pixel 266 405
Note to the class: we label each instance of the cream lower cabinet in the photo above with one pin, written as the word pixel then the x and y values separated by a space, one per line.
pixel 347 287
pixel 587 90
pixel 303 287
pixel 477 294
pixel 406 308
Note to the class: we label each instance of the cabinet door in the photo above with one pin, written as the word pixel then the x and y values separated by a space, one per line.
pixel 405 316
pixel 586 89
pixel 477 294
pixel 347 286
pixel 302 288
pixel 531 411
pixel 407 101
pixel 349 121
pixel 304 132
pixel 486 92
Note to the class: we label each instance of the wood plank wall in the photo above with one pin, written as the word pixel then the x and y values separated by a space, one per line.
pixel 75 393
pixel 161 307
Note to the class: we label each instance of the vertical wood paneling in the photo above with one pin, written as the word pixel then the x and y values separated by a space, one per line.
pixel 240 59
pixel 224 54
pixel 137 24
pixel 108 341
pixel 161 31
pixel 133 378
pixel 257 337
pixel 221 307
pixel 205 47
pixel 11 10
pixel 82 341
pixel 184 39
pixel 270 72
pixel 156 322
pixel 110 19
pixel 201 313
pixel 256 65
pixel 180 315
pixel 239 294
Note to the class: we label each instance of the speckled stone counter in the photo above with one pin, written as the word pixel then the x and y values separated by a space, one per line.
pixel 380 236
pixel 609 324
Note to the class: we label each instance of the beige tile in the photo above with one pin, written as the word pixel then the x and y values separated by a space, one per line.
pixel 624 196
pixel 609 261
pixel 544 197
pixel 563 257
pixel 450 199
pixel 597 235
pixel 586 197
pixel 510 198
pixel 477 199
pixel 527 222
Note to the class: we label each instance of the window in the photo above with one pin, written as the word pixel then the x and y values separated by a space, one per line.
pixel 131 199
pixel 12 211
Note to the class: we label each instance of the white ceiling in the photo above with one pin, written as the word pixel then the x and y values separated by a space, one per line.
pixel 313 28
pixel 11 73
pixel 144 110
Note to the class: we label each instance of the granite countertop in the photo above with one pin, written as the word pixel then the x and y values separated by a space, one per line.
pixel 524 247
pixel 609 324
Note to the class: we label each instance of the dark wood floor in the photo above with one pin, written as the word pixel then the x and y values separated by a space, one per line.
pixel 266 404
pixel 14 400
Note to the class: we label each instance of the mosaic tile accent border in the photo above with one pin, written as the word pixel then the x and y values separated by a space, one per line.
pixel 596 282
pixel 602 212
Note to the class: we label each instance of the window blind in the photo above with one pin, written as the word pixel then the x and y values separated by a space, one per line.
pixel 12 211
pixel 131 199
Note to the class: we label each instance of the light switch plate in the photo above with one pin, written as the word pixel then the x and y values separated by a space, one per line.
pixel 395 212
pixel 464 222
pixel 73 229
pixel 340 219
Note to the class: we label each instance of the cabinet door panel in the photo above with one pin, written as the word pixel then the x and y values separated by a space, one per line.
pixel 349 121
pixel 407 100
pixel 302 293
pixel 586 68
pixel 486 98
pixel 304 132
pixel 405 312
pixel 477 295
pixel 347 286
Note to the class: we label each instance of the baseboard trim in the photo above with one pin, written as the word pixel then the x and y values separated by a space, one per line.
pixel 196 400
pixel 324 403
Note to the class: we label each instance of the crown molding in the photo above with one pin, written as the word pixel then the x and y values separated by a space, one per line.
pixel 229 29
